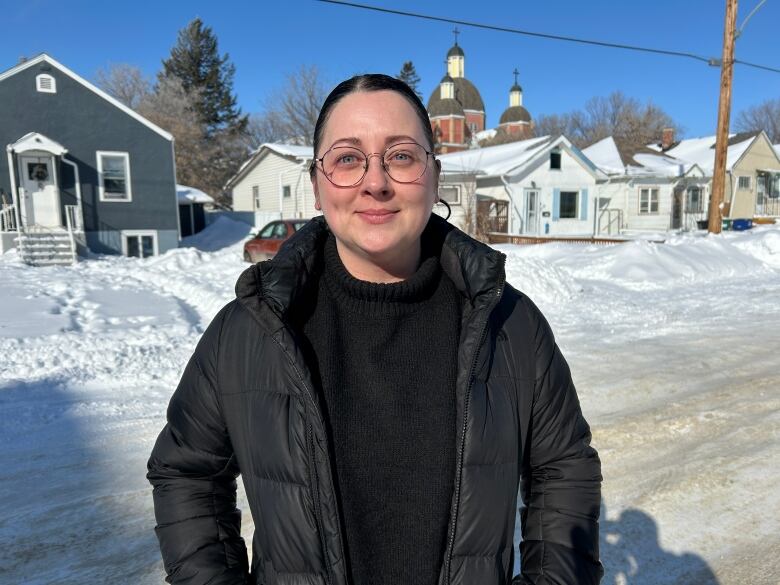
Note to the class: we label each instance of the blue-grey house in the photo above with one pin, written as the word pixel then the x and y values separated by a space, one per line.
pixel 81 170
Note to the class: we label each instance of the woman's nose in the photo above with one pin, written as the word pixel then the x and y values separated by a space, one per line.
pixel 376 180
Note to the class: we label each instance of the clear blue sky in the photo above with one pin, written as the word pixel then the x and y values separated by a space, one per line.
pixel 268 40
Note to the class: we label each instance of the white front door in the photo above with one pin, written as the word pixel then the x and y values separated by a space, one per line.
pixel 41 196
pixel 531 212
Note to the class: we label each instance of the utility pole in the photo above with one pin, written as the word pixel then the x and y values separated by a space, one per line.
pixel 724 111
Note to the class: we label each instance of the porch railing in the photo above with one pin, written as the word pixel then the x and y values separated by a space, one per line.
pixel 613 223
pixel 8 219
pixel 74 224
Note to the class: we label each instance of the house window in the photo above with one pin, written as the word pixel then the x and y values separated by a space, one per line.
pixel 693 203
pixel 286 191
pixel 114 176
pixel 46 83
pixel 450 194
pixel 743 182
pixel 568 209
pixel 555 160
pixel 139 244
pixel 648 201
pixel 256 196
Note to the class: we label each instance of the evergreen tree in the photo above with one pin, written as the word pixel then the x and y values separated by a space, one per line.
pixel 409 76
pixel 196 62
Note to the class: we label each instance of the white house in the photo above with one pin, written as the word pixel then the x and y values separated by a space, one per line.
pixel 646 190
pixel 752 171
pixel 274 183
pixel 537 186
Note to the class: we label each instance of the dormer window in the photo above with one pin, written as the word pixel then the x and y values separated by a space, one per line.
pixel 46 83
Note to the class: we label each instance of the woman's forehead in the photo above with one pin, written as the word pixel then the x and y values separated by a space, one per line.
pixel 369 116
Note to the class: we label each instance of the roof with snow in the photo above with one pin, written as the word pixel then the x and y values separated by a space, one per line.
pixel 613 159
pixel 508 159
pixel 187 195
pixel 298 152
pixel 701 151
pixel 493 160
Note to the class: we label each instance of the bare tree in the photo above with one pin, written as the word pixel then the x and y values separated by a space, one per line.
pixel 266 127
pixel 764 116
pixel 631 123
pixel 203 160
pixel 292 111
pixel 127 83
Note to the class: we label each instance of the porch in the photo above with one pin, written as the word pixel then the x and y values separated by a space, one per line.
pixel 41 219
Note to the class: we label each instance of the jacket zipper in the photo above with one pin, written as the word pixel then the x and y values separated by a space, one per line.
pixel 462 446
pixel 314 477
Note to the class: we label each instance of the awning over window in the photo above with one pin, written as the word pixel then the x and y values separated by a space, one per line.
pixel 39 142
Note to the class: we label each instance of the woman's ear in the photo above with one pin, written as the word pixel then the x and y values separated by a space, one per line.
pixel 316 190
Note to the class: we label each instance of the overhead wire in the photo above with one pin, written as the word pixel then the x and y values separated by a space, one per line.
pixel 528 33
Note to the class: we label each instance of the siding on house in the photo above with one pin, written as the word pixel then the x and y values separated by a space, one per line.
pixel 270 174
pixel 760 156
pixel 572 176
pixel 85 123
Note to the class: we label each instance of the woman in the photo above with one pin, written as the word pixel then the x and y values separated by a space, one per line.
pixel 382 392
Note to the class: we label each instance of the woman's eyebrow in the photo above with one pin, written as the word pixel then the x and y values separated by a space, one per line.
pixel 399 138
pixel 350 139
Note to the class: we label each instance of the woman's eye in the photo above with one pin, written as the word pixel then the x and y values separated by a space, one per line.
pixel 400 157
pixel 348 159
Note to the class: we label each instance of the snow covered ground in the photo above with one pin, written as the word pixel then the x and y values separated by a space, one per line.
pixel 675 350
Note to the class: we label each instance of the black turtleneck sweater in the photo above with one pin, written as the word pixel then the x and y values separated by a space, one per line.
pixel 386 358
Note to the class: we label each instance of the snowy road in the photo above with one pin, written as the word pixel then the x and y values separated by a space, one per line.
pixel 674 350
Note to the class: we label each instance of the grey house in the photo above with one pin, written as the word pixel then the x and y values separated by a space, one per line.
pixel 81 170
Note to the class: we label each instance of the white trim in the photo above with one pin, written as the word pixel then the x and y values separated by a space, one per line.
pixel 77 180
pixel 458 201
pixel 131 233
pixel 577 203
pixel 40 85
pixel 113 101
pixel 649 189
pixel 100 154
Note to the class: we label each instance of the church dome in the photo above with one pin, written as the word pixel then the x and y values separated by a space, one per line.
pixel 445 107
pixel 465 93
pixel 515 114
pixel 516 87
pixel 456 51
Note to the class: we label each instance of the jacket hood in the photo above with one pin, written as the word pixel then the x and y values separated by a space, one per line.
pixel 474 268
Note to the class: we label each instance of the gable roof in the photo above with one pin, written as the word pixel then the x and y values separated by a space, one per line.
pixel 43 57
pixel 613 159
pixel 701 151
pixel 299 153
pixel 513 158
pixel 493 160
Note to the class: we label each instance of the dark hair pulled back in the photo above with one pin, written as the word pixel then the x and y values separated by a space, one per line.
pixel 370 82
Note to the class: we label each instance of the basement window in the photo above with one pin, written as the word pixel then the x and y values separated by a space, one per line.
pixel 45 83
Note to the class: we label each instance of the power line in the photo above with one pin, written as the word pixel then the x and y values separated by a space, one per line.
pixel 542 35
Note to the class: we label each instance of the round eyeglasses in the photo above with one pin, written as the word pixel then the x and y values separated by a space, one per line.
pixel 345 166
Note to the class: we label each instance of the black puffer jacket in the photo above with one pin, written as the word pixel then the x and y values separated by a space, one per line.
pixel 246 404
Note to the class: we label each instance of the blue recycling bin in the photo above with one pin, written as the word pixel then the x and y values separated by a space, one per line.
pixel 740 225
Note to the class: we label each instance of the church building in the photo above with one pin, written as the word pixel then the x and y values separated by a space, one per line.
pixel 457 111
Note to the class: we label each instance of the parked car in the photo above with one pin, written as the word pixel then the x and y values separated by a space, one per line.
pixel 266 243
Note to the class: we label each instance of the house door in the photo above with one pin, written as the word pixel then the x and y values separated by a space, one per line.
pixel 41 196
pixel 677 209
pixel 531 212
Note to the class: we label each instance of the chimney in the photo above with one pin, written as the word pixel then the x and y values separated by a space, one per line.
pixel 667 138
